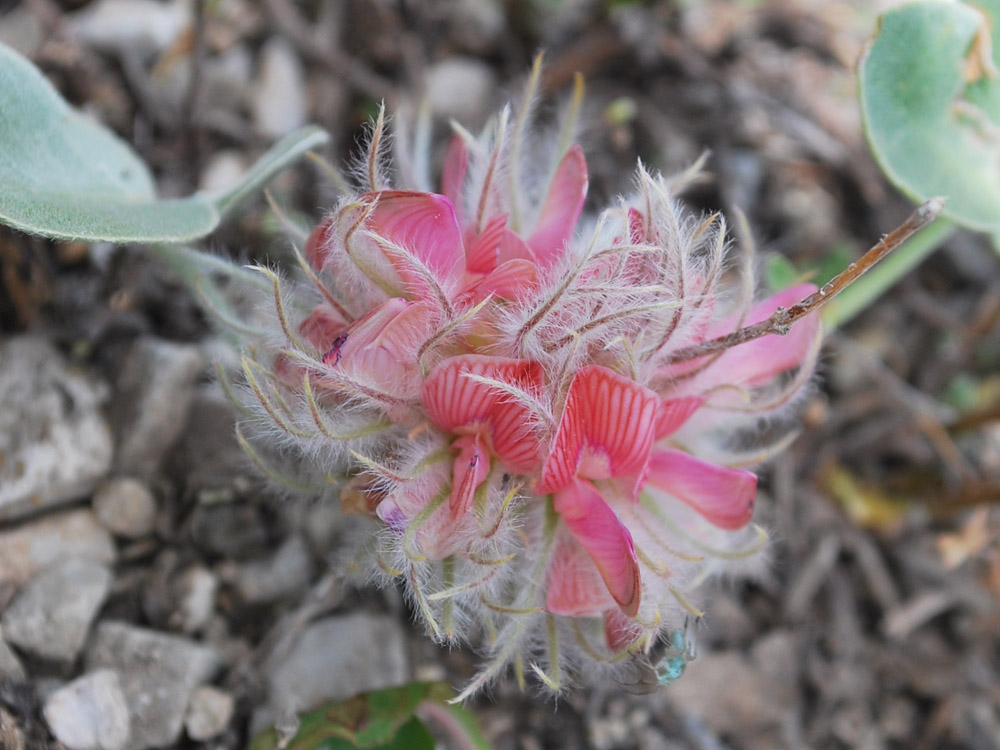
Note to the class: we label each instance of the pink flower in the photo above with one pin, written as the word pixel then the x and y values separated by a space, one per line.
pixel 505 385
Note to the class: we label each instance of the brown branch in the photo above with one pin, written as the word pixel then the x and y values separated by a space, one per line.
pixel 783 318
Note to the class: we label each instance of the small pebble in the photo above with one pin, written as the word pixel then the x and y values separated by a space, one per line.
pixel 223 171
pixel 284 573
pixel 196 588
pixel 280 104
pixel 460 88
pixel 126 507
pixel 90 713
pixel 29 548
pixel 209 713
pixel 125 26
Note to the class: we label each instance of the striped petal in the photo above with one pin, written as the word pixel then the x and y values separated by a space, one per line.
pixel 723 496
pixel 606 429
pixel 561 208
pixel 596 527
pixel 456 402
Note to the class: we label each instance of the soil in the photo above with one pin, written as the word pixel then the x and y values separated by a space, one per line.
pixel 878 622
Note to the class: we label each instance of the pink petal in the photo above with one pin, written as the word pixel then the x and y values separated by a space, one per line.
pixel 596 527
pixel 512 247
pixel 455 402
pixel 456 163
pixel 756 362
pixel 381 346
pixel 674 412
pixel 573 586
pixel 606 429
pixel 425 225
pixel 723 496
pixel 318 245
pixel 471 467
pixel 620 631
pixel 482 256
pixel 322 326
pixel 561 209
pixel 636 226
pixel 512 280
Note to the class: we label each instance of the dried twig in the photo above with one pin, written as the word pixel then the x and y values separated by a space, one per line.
pixel 783 318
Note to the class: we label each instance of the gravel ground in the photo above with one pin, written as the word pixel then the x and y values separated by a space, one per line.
pixel 154 593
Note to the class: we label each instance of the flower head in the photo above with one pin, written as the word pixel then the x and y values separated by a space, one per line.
pixel 506 388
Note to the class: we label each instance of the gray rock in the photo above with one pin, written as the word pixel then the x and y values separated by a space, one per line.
pixel 156 389
pixel 27 549
pixel 460 88
pixel 90 713
pixel 286 572
pixel 10 665
pixel 54 443
pixel 158 673
pixel 51 616
pixel 209 714
pixel 336 658
pixel 126 507
pixel 280 104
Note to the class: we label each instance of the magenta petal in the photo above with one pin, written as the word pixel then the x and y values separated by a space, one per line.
pixel 456 402
pixel 723 496
pixel 596 527
pixel 471 467
pixel 606 429
pixel 573 586
pixel 561 208
pixel 425 225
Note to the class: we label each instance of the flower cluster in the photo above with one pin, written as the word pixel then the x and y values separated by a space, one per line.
pixel 513 395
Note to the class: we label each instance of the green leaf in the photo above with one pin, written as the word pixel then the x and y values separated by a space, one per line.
pixel 370 720
pixel 63 175
pixel 930 99
pixel 383 720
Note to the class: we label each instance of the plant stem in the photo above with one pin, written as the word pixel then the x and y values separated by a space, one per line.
pixel 882 278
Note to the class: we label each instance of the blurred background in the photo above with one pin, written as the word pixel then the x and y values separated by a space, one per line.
pixel 878 624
